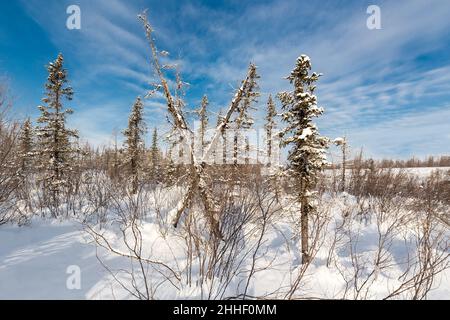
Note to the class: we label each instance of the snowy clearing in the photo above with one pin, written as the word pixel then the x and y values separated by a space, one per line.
pixel 34 261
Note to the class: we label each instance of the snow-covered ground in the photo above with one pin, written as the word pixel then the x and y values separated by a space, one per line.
pixel 46 258
pixel 423 172
pixel 36 260
pixel 420 172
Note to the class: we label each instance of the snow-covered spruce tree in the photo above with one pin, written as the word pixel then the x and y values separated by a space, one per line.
pixel 26 146
pixel 55 150
pixel 114 160
pixel 202 113
pixel 170 170
pixel 134 143
pixel 272 146
pixel 155 157
pixel 270 126
pixel 307 156
pixel 223 138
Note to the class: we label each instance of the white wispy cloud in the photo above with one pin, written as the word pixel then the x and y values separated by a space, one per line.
pixel 421 134
pixel 372 81
pixel 371 78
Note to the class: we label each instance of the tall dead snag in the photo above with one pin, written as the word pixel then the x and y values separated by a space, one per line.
pixel 199 179
pixel 342 142
pixel 246 87
pixel 242 122
pixel 307 156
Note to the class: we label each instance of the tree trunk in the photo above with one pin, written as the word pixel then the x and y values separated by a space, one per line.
pixel 304 231
pixel 134 177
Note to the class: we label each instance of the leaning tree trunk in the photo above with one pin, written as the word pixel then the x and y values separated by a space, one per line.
pixel 199 179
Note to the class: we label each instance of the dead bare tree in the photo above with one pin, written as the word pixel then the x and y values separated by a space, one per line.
pixel 342 142
pixel 9 161
pixel 199 180
pixel 139 279
pixel 432 245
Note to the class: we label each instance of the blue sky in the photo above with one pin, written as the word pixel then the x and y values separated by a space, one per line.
pixel 388 90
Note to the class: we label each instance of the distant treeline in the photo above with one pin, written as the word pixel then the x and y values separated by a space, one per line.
pixel 442 161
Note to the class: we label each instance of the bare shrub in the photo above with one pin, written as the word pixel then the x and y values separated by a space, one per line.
pixel 9 168
pixel 138 279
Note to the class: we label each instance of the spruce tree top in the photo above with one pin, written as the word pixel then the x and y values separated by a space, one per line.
pixel 308 153
pixel 56 81
pixel 271 113
pixel 136 127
